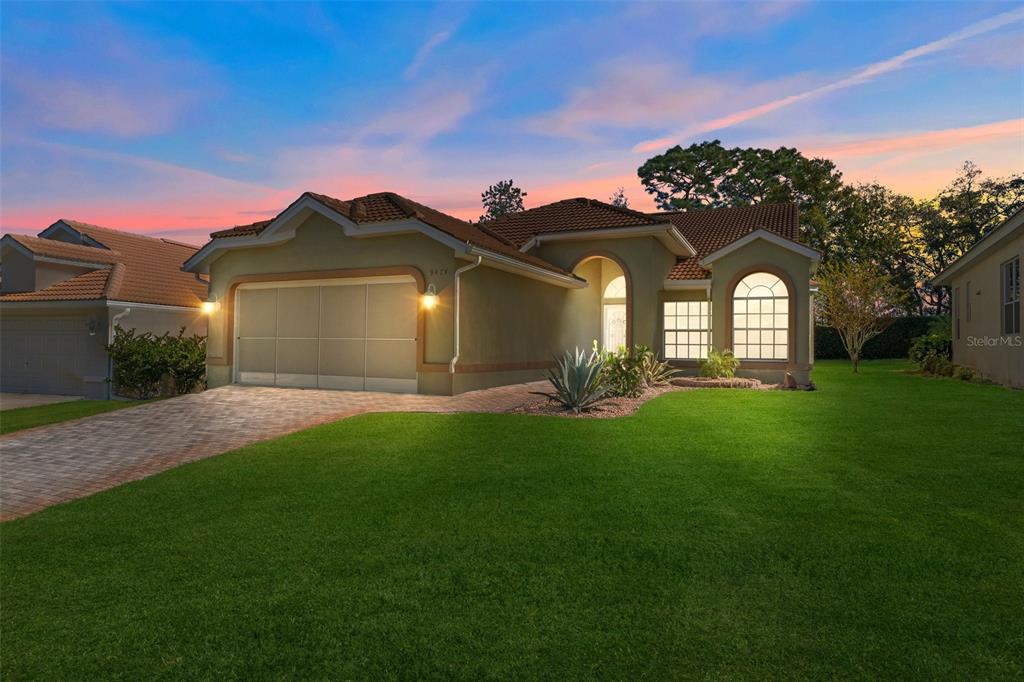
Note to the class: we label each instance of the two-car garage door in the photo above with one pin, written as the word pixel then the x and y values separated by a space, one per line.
pixel 354 334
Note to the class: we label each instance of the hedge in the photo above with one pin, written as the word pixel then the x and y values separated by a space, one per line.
pixel 894 342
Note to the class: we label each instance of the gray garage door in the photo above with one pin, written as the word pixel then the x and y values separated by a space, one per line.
pixel 340 334
pixel 53 354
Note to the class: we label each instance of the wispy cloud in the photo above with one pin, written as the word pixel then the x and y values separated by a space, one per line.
pixel 435 41
pixel 861 76
pixel 917 143
pixel 636 95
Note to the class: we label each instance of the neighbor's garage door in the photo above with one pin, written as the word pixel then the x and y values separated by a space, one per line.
pixel 355 334
pixel 58 354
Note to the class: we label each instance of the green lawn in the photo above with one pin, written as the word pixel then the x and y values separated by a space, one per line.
pixel 27 417
pixel 873 528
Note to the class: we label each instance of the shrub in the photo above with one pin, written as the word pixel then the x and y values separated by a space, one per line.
pixel 719 364
pixel 653 371
pixel 963 373
pixel 937 341
pixel 622 371
pixel 894 342
pixel 576 380
pixel 937 364
pixel 146 365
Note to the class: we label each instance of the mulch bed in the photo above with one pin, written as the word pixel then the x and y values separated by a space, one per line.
pixel 707 382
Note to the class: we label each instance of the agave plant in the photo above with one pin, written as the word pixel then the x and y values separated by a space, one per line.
pixel 576 381
pixel 655 372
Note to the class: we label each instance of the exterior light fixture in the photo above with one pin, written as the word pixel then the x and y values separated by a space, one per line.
pixel 430 297
pixel 210 306
pixel 91 326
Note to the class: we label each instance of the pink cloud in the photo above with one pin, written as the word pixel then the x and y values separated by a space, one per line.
pixel 918 143
pixel 861 76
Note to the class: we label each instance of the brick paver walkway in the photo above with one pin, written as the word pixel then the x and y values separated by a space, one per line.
pixel 51 464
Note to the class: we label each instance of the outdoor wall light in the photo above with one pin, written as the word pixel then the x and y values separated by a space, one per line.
pixel 430 297
pixel 91 326
pixel 210 306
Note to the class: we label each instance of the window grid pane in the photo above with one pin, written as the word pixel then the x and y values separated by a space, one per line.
pixel 761 318
pixel 687 329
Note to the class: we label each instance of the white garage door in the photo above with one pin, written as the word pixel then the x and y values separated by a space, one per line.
pixel 353 334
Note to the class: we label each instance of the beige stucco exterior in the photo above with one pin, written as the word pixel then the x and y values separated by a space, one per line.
pixel 511 325
pixel 979 341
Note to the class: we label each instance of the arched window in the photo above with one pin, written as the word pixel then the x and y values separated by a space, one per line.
pixel 613 313
pixel 616 288
pixel 760 318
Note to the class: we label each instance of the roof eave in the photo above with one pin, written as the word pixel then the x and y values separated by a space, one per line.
pixel 767 235
pixel 1012 224
pixel 666 233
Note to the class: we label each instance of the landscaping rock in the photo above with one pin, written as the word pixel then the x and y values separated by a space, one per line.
pixel 708 382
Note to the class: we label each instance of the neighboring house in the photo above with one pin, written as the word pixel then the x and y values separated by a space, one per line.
pixel 984 286
pixel 383 293
pixel 63 291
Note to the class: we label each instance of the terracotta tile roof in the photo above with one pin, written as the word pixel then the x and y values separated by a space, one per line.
pixel 710 229
pixel 383 207
pixel 58 249
pixel 569 215
pixel 89 286
pixel 149 272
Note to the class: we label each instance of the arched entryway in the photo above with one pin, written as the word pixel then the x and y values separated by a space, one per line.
pixel 609 300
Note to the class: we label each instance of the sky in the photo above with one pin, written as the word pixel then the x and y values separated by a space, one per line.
pixel 178 119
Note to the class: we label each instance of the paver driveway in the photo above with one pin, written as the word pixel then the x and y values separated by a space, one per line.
pixel 50 464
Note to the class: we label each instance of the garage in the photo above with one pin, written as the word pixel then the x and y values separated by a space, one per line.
pixel 57 354
pixel 356 334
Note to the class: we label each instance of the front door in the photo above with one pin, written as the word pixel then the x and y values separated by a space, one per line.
pixel 614 325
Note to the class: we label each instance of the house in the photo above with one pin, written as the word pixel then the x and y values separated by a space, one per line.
pixel 984 286
pixel 63 290
pixel 383 293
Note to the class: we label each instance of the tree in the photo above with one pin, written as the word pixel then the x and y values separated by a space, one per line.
pixel 707 175
pixel 859 301
pixel 618 198
pixel 501 199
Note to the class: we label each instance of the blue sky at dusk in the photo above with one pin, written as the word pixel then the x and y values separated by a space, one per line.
pixel 183 118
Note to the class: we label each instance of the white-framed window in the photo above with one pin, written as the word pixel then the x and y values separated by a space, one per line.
pixel 687 329
pixel 760 318
pixel 613 313
pixel 1010 277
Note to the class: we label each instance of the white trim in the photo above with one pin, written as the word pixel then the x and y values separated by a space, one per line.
pixel 199 260
pixel 507 263
pixel 331 282
pixel 686 284
pixel 766 235
pixel 155 306
pixel 60 225
pixel 987 242
pixel 666 233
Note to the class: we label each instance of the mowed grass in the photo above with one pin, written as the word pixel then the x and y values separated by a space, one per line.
pixel 28 417
pixel 871 529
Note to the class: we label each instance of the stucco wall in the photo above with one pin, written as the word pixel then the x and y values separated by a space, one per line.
pixel 319 245
pixel 160 321
pixel 646 262
pixel 19 272
pixel 48 274
pixel 981 344
pixel 763 255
